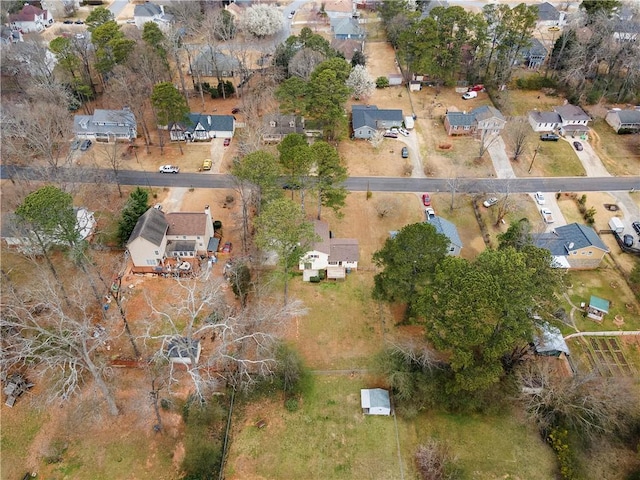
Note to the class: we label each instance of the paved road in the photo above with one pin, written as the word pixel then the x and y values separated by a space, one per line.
pixel 354 184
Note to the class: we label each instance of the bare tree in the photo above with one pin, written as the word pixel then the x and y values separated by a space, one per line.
pixel 237 344
pixel 376 139
pixel 62 342
pixel 386 207
pixel 304 63
pixel 518 135
pixel 454 184
pixel 112 153
pixel 487 138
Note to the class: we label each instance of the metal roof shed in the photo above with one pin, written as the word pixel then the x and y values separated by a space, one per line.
pixel 375 401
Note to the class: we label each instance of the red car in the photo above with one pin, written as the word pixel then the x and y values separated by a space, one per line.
pixel 476 88
pixel 228 246
pixel 227 142
pixel 426 199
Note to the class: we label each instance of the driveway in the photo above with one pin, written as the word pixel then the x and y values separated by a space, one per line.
pixel 217 154
pixel 414 154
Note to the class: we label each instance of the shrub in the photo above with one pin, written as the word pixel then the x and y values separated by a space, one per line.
pixel 382 82
pixel 291 404
pixel 314 279
pixel 434 463
pixel 566 459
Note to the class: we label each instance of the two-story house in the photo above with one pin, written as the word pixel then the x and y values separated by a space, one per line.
pixel 106 125
pixel 568 120
pixel 211 62
pixel 335 255
pixel 30 19
pixel 480 121
pixel 202 127
pixel 624 121
pixel 550 16
pixel 276 126
pixel 150 12
pixel 368 119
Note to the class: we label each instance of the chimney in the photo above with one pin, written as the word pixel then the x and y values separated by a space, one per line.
pixel 209 119
pixel 207 211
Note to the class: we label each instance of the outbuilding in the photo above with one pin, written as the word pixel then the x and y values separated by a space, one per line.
pixel 375 401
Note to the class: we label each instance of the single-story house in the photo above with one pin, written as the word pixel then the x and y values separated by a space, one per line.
pixel 598 308
pixel 106 125
pixel 368 119
pixel 18 236
pixel 550 16
pixel 449 230
pixel 548 341
pixel 339 8
pixel 276 126
pixel 347 28
pixel 202 127
pixel 213 63
pixel 150 12
pixel 30 19
pixel 535 54
pixel 335 255
pixel 624 121
pixel 482 120
pixel 158 236
pixel 567 120
pixel 182 349
pixel 573 246
pixel 375 401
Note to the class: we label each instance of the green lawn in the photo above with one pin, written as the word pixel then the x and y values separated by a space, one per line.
pixel 554 159
pixel 20 425
pixel 619 153
pixel 330 438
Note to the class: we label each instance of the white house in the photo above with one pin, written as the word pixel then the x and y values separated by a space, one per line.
pixel 30 19
pixel 544 121
pixel 335 255
pixel 106 125
pixel 368 119
pixel 203 127
pixel 567 119
pixel 375 401
pixel 624 121
pixel 150 12
pixel 148 241
pixel 182 349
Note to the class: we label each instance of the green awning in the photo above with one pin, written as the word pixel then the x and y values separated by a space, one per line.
pixel 599 304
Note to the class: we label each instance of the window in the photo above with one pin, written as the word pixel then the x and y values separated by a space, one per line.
pixel 156 252
pixel 467 127
pixel 272 124
pixel 150 262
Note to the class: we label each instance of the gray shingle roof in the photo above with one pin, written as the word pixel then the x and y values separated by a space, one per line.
pixel 147 9
pixel 368 115
pixel 460 118
pixel 629 116
pixel 547 12
pixel 536 49
pixel 545 117
pixel 448 229
pixel 569 238
pixel 344 250
pixel 486 111
pixel 571 112
pixel 208 61
pixel 151 226
pixel 218 123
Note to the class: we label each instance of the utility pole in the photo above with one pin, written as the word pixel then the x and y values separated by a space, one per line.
pixel 535 152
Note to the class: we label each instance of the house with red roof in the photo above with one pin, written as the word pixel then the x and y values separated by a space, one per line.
pixel 30 19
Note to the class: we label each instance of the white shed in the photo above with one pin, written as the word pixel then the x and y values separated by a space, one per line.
pixel 375 401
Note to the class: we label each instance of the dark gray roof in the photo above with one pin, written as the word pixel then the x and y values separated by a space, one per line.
pixel 547 12
pixel 460 118
pixel 151 226
pixel 218 123
pixel 368 115
pixel 535 49
pixel 545 117
pixel 486 111
pixel 626 26
pixel 147 9
pixel 571 112
pixel 446 228
pixel 282 124
pixel 569 238
pixel 629 116
pixel 208 60
pixel 11 227
pixel 344 250
pixel 179 347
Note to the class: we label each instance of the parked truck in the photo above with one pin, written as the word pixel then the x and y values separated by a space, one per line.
pixel 616 225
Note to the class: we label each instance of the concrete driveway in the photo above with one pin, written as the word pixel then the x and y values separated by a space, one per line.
pixel 414 153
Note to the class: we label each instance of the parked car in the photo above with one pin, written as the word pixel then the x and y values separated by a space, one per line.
pixel 84 146
pixel 228 246
pixel 390 134
pixel 79 22
pixel 169 169
pixel 476 88
pixel 75 144
pixel 206 164
pixel 636 227
pixel 227 142
pixel 546 214
pixel 489 202
pixel 426 199
pixel 627 240
pixel 291 186
pixel 549 137
pixel 554 29
pixel 469 95
pixel 403 131
pixel 577 146
pixel 292 13
pixel 405 152
pixel 430 213
pixel 235 110
pixel 68 22
pixel 539 198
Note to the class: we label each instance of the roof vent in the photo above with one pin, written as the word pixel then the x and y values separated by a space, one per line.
pixel 571 245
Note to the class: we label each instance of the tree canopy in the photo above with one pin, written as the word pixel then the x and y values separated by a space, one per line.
pixel 170 105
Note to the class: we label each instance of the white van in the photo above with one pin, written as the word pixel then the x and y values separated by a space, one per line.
pixel 408 122
pixel 469 95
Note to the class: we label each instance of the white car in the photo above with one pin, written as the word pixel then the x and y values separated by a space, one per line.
pixel 169 169
pixel 404 132
pixel 546 214
pixel 539 198
pixel 430 213
pixel 489 202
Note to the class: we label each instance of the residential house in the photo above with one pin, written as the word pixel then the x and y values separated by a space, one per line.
pixel 624 121
pixel 277 126
pixel 534 55
pixel 375 401
pixel 213 63
pixel 449 230
pixel 202 127
pixel 150 12
pixel 30 19
pixel 335 255
pixel 9 36
pixel 549 342
pixel 626 30
pixel 347 47
pixel 480 121
pixel 347 28
pixel 19 236
pixel 550 16
pixel 567 120
pixel 368 119
pixel 106 125
pixel 573 246
pixel 339 8
pixel 182 350
pixel 158 237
